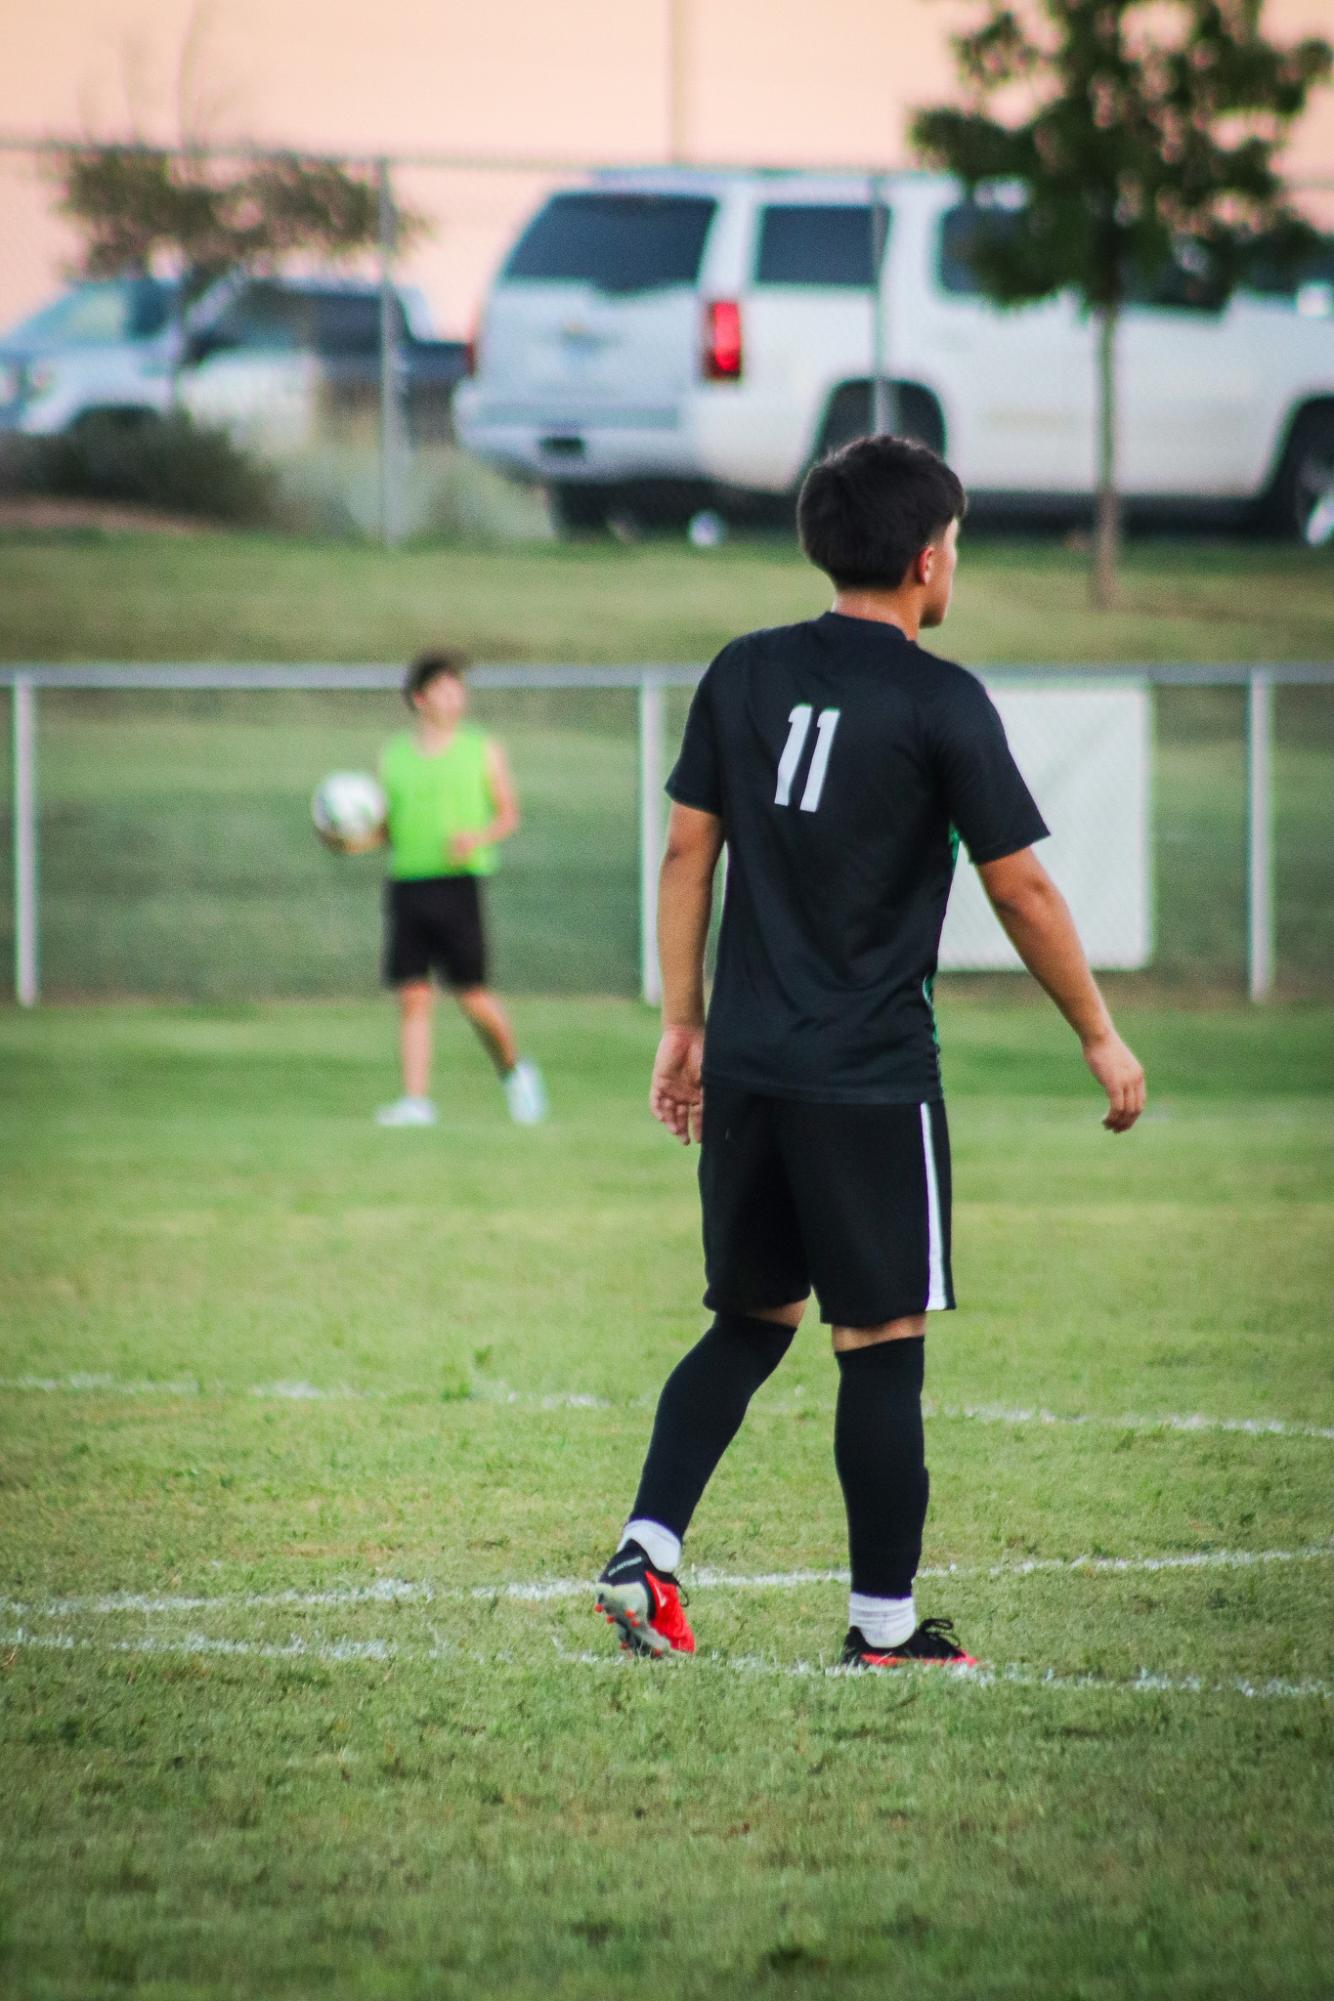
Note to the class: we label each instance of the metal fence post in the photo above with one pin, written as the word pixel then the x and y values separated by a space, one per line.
pixel 884 396
pixel 651 736
pixel 1260 953
pixel 390 439
pixel 677 77
pixel 25 840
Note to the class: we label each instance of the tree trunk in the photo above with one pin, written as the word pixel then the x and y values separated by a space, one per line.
pixel 1107 530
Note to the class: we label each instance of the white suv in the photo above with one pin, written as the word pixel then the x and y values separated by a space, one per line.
pixel 659 341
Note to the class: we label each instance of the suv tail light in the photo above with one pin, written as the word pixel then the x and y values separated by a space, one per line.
pixel 722 341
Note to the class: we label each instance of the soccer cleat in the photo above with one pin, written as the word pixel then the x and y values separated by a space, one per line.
pixel 525 1095
pixel 645 1603
pixel 407 1112
pixel 932 1645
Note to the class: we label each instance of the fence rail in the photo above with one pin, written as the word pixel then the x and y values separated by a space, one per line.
pixel 649 681
pixel 370 676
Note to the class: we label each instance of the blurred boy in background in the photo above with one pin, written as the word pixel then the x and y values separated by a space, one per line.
pixel 450 803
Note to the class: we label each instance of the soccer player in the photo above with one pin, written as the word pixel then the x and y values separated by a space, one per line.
pixel 841 764
pixel 450 803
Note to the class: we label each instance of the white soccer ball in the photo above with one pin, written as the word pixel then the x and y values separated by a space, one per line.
pixel 348 808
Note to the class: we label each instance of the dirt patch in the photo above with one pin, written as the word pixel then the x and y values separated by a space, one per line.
pixel 47 515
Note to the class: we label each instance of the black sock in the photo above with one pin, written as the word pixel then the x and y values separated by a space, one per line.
pixel 880 1455
pixel 700 1411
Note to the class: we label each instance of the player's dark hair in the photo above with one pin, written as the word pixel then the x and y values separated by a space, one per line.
pixel 428 667
pixel 867 509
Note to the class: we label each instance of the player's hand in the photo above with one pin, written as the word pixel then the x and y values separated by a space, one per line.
pixel 357 844
pixel 1121 1075
pixel 463 845
pixel 676 1095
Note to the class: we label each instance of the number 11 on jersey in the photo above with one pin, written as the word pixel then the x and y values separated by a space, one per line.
pixel 799 725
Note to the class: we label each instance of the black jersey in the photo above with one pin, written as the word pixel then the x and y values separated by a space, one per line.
pixel 841 759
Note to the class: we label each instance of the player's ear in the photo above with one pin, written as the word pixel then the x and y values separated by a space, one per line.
pixel 924 563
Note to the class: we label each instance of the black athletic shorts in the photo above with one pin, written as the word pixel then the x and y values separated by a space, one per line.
pixel 435 924
pixel 851 1200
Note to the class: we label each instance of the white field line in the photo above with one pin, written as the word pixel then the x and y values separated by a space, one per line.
pixel 83 1383
pixel 1253 1427
pixel 547 1590
pixel 385 1652
pixel 92 1384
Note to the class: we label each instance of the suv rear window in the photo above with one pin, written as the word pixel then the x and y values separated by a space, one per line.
pixel 803 244
pixel 1189 281
pixel 963 230
pixel 616 243
pixel 1273 279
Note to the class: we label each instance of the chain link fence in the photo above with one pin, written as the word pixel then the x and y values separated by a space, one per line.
pixel 157 834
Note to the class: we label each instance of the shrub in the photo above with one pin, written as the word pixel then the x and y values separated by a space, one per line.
pixel 169 463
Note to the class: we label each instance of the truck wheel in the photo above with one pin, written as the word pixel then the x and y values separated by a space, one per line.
pixel 580 510
pixel 849 416
pixel 1302 497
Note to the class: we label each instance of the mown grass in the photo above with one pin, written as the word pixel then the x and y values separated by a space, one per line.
pixel 245 597
pixel 437 1794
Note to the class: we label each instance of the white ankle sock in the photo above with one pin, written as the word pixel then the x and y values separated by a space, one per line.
pixel 885 1622
pixel 662 1548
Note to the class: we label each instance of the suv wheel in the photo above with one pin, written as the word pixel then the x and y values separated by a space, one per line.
pixel 580 510
pixel 1302 498
pixel 850 415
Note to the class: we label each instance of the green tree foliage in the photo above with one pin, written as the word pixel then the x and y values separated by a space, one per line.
pixel 1141 132
pixel 202 216
pixel 138 209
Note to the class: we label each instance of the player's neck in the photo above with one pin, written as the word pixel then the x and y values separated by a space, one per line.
pixel 884 607
pixel 432 738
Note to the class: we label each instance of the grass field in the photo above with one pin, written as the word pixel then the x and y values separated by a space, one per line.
pixel 235 597
pixel 292 1406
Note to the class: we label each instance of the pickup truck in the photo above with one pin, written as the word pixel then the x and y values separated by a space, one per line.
pixel 273 358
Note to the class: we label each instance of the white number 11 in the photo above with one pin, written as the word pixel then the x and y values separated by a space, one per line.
pixel 799 729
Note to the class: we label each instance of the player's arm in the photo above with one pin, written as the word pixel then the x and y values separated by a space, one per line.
pixel 1038 923
pixel 685 901
pixel 504 807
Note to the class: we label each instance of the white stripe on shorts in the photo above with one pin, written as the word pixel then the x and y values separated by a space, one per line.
pixel 936 1298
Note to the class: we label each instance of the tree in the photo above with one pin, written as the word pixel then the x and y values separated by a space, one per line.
pixel 203 216
pixel 1139 131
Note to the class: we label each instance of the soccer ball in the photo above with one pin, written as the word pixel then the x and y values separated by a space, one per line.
pixel 348 809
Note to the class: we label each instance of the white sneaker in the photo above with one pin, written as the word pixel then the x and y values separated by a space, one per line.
pixel 525 1095
pixel 407 1112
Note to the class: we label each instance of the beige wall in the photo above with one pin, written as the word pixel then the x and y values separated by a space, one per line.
pixel 772 80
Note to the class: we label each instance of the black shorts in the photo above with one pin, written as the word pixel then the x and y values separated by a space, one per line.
pixel 435 925
pixel 852 1200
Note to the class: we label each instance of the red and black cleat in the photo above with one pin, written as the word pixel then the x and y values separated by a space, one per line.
pixel 645 1604
pixel 932 1645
